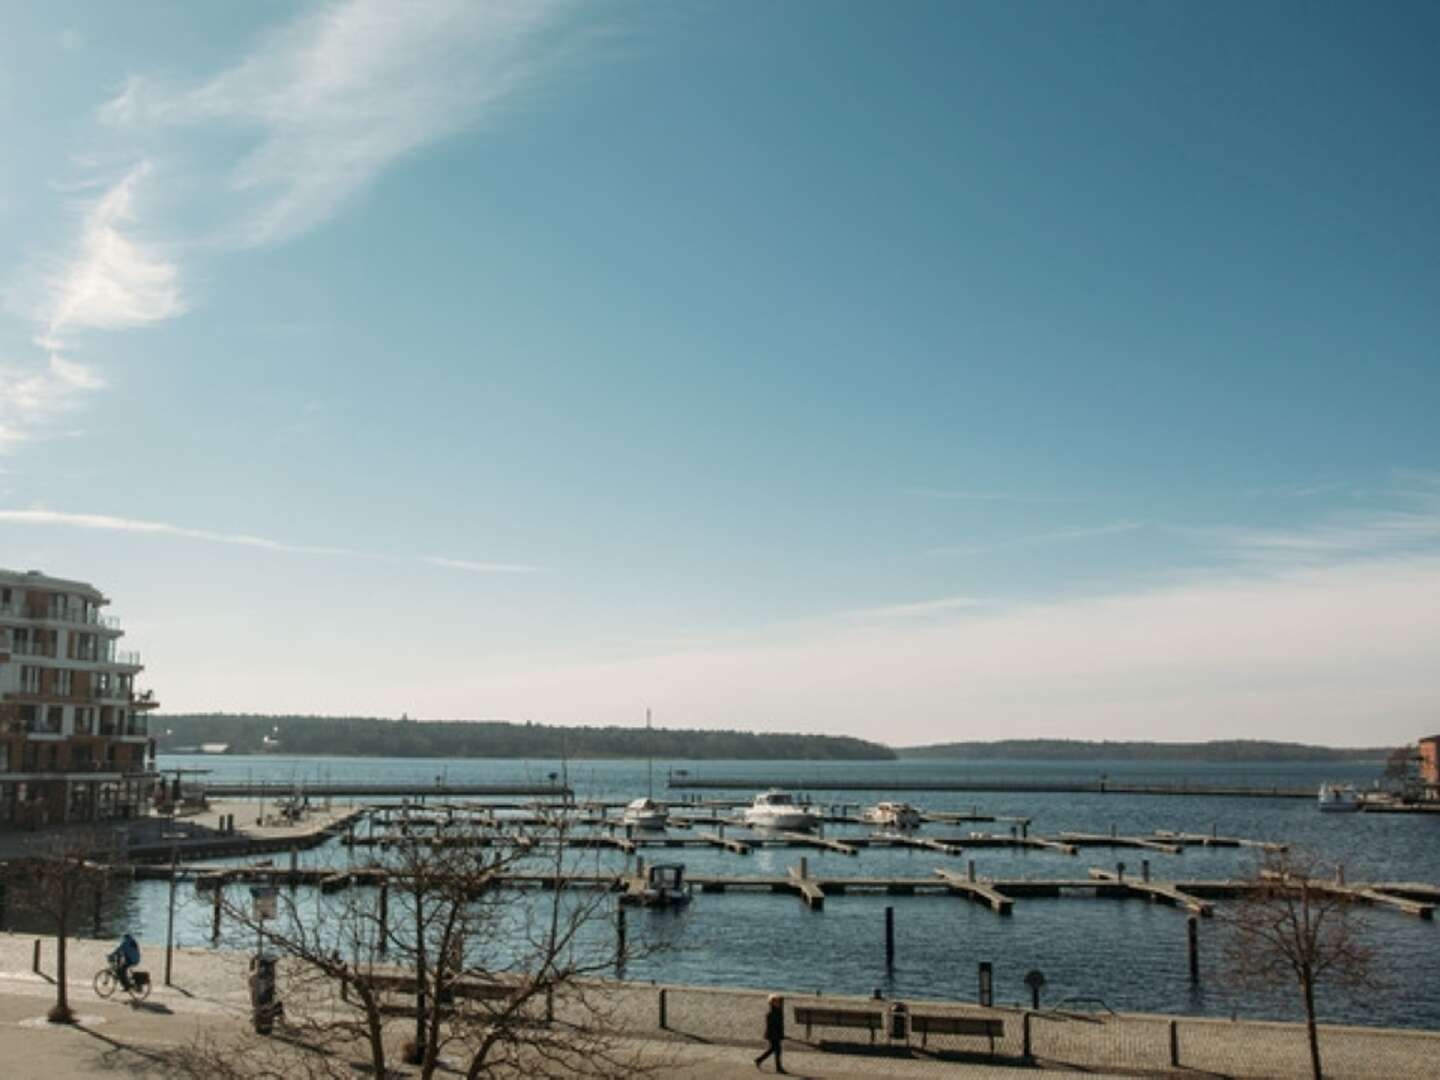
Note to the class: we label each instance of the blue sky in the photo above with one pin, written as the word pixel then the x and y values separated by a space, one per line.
pixel 927 372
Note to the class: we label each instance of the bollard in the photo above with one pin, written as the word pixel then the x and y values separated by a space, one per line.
pixel 804 867
pixel 1026 1055
pixel 35 963
pixel 1174 1045
pixel 1192 932
pixel 1144 869
pixel 664 1021
pixel 619 936
pixel 889 938
pixel 384 914
pixel 1120 871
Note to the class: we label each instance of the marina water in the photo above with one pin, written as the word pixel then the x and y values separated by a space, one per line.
pixel 1131 955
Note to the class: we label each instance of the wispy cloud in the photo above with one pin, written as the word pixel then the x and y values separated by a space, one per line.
pixel 478 567
pixel 1411 524
pixel 160 528
pixel 114 280
pixel 322 104
pixel 35 395
pixel 340 93
pixel 111 280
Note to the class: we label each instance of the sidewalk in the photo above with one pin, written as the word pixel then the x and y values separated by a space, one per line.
pixel 710 1033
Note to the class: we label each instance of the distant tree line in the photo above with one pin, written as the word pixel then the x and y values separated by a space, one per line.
pixel 1224 751
pixel 375 737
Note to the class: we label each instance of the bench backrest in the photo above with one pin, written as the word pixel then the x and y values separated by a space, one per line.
pixel 838 1017
pixel 958 1025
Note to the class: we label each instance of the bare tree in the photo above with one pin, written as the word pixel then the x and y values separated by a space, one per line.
pixel 1298 924
pixel 440 961
pixel 1401 771
pixel 51 884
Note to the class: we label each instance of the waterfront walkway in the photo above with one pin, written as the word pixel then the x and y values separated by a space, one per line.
pixel 710 1033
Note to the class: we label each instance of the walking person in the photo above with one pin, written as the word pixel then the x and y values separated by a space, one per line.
pixel 774 1032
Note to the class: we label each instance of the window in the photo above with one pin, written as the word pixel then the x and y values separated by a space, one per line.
pixel 30 679
pixel 64 682
pixel 85 719
pixel 55 719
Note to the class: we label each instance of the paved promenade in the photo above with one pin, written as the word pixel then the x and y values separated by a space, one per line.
pixel 711 1033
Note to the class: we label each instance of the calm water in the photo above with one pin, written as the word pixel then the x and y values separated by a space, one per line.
pixel 1131 954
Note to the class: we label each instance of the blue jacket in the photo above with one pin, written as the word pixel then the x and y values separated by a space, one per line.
pixel 129 950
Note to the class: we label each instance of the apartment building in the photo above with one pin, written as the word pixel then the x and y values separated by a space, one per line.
pixel 73 728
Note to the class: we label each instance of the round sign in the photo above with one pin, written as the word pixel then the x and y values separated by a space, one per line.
pixel 1034 978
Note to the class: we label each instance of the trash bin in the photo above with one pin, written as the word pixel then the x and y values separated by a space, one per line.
pixel 264 1003
pixel 897 1022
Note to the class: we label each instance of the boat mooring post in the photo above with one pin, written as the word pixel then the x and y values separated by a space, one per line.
pixel 889 937
pixel 619 936
pixel 1192 933
pixel 170 921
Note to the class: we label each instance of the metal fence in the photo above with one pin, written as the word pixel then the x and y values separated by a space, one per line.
pixel 1142 1044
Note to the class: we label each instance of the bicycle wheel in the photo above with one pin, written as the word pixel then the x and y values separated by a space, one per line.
pixel 105 982
pixel 139 991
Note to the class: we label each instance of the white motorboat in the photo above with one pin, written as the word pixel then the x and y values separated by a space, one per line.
pixel 646 813
pixel 776 809
pixel 1339 799
pixel 892 815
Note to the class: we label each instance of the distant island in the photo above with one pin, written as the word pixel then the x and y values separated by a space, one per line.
pixel 1220 750
pixel 373 737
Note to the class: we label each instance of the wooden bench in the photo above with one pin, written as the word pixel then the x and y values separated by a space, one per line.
pixel 470 989
pixel 926 1023
pixel 849 1018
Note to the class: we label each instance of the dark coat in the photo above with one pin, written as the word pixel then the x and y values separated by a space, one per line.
pixel 775 1024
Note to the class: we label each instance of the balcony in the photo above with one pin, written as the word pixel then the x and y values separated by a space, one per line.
pixel 25 647
pixel 73 613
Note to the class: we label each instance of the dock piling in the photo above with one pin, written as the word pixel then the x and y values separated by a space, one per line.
pixel 889 938
pixel 1192 933
pixel 1144 869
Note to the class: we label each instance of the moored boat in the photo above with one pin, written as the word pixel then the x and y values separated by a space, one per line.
pixel 646 813
pixel 892 815
pixel 1338 799
pixel 664 886
pixel 776 809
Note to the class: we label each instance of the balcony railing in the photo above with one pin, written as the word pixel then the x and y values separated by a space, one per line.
pixel 71 614
pixel 33 648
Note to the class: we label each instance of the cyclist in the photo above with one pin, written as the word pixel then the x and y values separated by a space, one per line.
pixel 125 957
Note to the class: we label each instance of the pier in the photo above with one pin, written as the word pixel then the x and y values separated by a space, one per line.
pixel 998 894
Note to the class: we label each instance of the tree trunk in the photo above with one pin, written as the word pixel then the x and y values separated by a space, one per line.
pixel 1307 983
pixel 62 1001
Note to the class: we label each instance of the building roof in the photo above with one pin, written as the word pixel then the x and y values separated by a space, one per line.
pixel 38 579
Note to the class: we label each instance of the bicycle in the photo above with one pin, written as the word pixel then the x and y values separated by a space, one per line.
pixel 108 978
